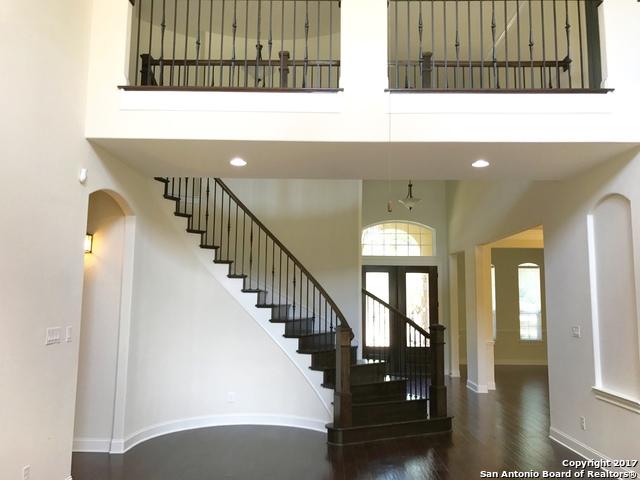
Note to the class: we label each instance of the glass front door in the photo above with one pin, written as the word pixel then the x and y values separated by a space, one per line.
pixel 412 290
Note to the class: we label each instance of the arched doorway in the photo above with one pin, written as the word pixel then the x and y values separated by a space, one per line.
pixel 105 323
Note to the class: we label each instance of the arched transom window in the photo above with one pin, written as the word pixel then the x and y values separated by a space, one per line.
pixel 397 239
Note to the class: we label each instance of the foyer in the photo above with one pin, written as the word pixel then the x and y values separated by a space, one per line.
pixel 506 429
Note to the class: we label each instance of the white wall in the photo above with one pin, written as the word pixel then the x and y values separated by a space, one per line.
pixel 562 207
pixel 431 211
pixel 43 213
pixel 100 324
pixel 319 221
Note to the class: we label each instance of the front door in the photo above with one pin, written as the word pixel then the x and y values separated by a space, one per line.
pixel 412 290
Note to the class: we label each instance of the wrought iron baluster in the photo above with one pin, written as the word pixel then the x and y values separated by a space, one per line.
pixel 250 277
pixel 531 45
pixel 506 45
pixel 578 5
pixel 163 26
pixel 234 27
pixel 406 71
pixel 137 72
pixel 306 45
pixel 270 45
pixel 493 46
pixel 421 50
pixel 151 24
pixel 209 77
pixel 318 72
pixel 544 48
pixel 221 73
pixel 482 43
pixel 330 42
pixel 198 41
pixel 256 69
pixel 206 218
pixel 555 43
pixel 469 42
pixel 293 37
pixel 518 71
pixel 395 57
pixel 186 45
pixel 246 51
pixel 457 45
pixel 235 248
pixel 567 28
pixel 446 54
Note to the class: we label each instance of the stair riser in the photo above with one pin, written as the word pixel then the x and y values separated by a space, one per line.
pixel 299 327
pixel 389 431
pixel 321 341
pixel 359 374
pixel 324 360
pixel 400 412
pixel 378 392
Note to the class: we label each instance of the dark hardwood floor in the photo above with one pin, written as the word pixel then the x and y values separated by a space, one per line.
pixel 503 430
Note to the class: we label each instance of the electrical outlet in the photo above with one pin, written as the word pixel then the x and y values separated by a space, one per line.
pixel 575 332
pixel 53 335
pixel 26 472
pixel 68 334
pixel 583 423
pixel 231 397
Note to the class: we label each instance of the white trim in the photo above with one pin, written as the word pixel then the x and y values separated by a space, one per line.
pixel 165 428
pixel 617 399
pixel 580 448
pixel 521 362
pixel 474 387
pixel 91 445
pixel 250 102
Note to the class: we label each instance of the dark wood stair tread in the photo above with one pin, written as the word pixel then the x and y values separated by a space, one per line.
pixel 387 431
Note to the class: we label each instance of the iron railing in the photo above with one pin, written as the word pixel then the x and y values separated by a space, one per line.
pixel 409 351
pixel 494 45
pixel 237 44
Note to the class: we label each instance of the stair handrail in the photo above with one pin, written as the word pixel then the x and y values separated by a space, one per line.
pixel 339 315
pixel 397 312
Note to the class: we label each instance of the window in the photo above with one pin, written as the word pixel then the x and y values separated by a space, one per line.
pixel 397 239
pixel 530 302
pixel 493 300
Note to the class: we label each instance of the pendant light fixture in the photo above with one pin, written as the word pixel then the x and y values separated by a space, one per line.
pixel 410 201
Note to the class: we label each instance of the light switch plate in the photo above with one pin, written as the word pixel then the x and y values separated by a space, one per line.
pixel 26 472
pixel 53 335
pixel 68 334
pixel 576 332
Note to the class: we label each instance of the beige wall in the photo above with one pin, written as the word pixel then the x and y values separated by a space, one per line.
pixel 509 349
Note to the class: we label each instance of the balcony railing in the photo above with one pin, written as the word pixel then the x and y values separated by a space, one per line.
pixel 235 44
pixel 471 45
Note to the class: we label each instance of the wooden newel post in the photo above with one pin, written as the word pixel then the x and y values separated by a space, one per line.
pixel 437 389
pixel 426 69
pixel 342 395
pixel 284 69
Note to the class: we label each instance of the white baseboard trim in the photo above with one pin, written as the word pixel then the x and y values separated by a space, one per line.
pixel 491 385
pixel 91 445
pixel 581 449
pixel 521 362
pixel 455 374
pixel 153 431
pixel 474 387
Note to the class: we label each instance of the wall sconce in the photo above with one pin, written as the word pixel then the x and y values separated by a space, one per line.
pixel 88 243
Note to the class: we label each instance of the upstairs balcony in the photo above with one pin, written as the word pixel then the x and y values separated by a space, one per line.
pixel 433 45
pixel 372 71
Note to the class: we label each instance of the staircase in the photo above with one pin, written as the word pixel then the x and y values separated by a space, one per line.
pixel 389 395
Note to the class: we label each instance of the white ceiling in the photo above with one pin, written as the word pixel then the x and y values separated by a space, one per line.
pixel 419 161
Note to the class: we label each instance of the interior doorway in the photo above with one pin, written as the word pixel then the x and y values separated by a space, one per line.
pixel 411 289
pixel 105 307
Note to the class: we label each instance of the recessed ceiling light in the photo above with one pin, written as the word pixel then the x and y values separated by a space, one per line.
pixel 238 162
pixel 480 164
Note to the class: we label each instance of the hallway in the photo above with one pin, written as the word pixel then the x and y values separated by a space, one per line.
pixel 506 429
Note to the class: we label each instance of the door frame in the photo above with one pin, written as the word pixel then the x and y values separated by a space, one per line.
pixel 397 294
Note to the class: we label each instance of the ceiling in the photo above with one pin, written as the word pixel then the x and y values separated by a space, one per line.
pixel 368 161
pixel 532 238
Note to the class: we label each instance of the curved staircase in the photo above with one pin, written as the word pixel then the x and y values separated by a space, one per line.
pixel 390 395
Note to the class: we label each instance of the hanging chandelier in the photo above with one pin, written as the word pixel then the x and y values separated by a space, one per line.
pixel 409 201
